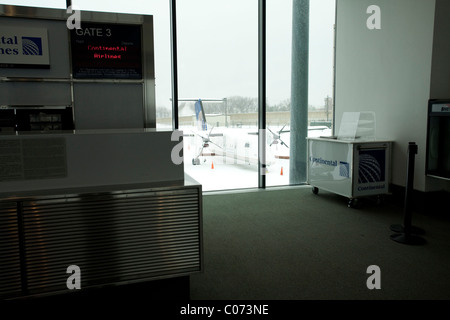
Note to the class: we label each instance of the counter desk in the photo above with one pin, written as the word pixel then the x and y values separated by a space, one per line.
pixel 111 203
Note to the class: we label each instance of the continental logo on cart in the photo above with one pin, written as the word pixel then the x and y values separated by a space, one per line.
pixel 332 163
pixel 370 188
pixel 344 169
pixel 371 166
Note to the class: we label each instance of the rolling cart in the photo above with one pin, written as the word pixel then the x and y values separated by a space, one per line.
pixel 351 168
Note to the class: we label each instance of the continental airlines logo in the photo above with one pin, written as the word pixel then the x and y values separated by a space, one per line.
pixel 371 166
pixel 31 46
pixel 344 167
pixel 23 47
pixel 372 170
pixel 326 162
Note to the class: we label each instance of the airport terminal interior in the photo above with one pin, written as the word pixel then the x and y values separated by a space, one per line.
pixel 224 150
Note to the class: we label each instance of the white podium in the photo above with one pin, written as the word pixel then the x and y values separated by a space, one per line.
pixel 351 168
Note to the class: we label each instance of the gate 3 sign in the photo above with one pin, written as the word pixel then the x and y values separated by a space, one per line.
pixel 24 48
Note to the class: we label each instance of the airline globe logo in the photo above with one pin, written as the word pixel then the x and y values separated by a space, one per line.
pixel 344 169
pixel 371 166
pixel 32 46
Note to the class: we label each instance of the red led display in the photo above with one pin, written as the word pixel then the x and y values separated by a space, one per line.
pixel 106 51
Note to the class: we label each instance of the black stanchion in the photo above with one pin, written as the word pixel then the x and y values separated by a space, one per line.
pixel 407 233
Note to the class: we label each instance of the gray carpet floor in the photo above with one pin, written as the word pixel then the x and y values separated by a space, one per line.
pixel 289 244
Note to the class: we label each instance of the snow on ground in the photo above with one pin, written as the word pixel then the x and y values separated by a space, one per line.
pixel 217 172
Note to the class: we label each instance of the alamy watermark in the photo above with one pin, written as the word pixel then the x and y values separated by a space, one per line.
pixel 374 21
pixel 74 21
pixel 177 154
pixel 74 280
pixel 374 281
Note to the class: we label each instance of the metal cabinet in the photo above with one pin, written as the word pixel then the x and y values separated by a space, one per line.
pixel 115 237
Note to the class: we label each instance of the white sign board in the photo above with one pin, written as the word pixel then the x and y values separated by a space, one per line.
pixel 24 47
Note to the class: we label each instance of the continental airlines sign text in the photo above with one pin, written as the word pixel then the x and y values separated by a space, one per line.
pixel 24 47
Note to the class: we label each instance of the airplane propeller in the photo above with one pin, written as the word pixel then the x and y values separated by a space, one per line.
pixel 206 141
pixel 277 137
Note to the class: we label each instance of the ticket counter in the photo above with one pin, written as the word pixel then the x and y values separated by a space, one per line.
pixel 109 202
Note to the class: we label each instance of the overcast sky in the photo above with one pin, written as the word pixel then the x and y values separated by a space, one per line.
pixel 217 45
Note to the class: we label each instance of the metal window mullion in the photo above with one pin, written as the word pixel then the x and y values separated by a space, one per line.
pixel 333 132
pixel 261 93
pixel 173 44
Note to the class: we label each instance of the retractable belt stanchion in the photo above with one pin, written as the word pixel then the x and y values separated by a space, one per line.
pixel 407 233
pixel 412 151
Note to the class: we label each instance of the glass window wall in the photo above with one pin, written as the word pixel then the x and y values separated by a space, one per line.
pixel 217 58
pixel 218 91
pixel 284 67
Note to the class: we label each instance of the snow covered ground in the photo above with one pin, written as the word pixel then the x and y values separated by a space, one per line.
pixel 215 174
pixel 218 172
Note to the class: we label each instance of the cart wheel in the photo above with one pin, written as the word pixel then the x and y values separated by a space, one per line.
pixel 352 202
pixel 315 190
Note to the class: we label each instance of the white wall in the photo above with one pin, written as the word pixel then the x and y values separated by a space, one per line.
pixel 388 71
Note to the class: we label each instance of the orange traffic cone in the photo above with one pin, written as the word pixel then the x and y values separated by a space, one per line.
pixel 281 173
pixel 212 164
